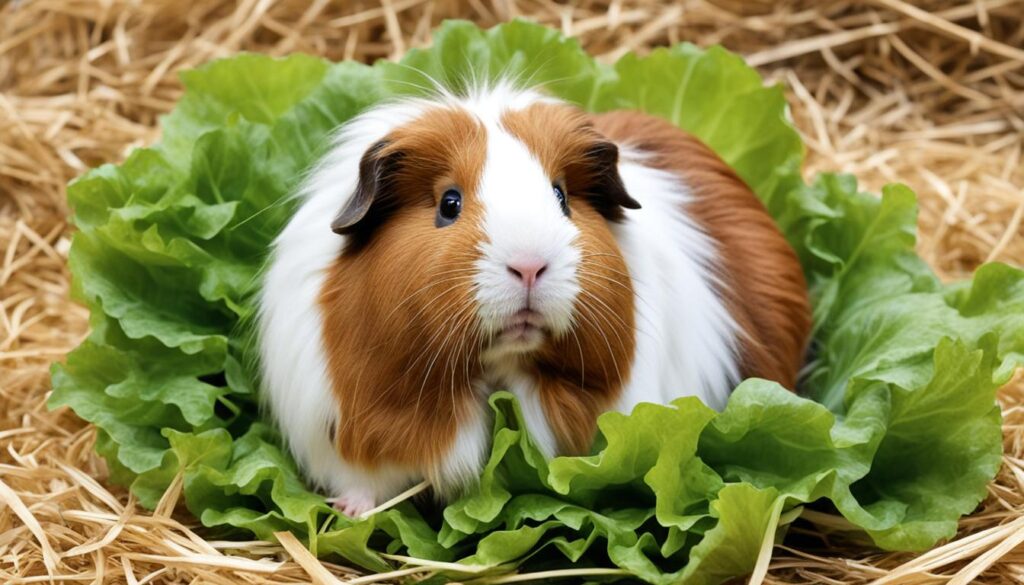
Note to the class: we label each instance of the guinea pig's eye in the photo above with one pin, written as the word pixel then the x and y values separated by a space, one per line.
pixel 560 195
pixel 449 209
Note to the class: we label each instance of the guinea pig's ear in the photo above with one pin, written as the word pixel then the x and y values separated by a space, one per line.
pixel 606 192
pixel 375 169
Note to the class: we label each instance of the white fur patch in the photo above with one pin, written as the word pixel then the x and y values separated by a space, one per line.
pixel 686 337
pixel 460 468
pixel 522 217
pixel 296 386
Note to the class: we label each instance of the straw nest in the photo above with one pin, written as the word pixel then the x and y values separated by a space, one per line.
pixel 930 94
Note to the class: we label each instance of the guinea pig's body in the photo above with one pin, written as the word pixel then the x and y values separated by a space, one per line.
pixel 448 248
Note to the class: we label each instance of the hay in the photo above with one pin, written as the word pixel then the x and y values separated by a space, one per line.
pixel 931 95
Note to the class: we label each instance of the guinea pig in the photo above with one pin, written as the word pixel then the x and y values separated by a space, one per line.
pixel 449 247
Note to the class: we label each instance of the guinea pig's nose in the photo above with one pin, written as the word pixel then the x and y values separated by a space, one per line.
pixel 528 270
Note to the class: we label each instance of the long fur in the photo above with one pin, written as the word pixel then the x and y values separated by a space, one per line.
pixel 642 305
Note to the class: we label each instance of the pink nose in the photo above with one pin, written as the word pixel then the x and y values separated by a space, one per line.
pixel 528 270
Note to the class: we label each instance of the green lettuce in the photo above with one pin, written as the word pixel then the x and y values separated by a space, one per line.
pixel 896 426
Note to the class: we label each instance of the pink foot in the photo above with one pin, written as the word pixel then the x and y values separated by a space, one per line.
pixel 354 503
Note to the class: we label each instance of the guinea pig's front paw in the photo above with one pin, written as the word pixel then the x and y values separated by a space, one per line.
pixel 354 503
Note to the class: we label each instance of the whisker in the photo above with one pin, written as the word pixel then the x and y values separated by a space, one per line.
pixel 588 321
pixel 420 357
pixel 584 277
pixel 608 310
pixel 448 337
pixel 582 270
pixel 621 344
pixel 461 351
pixel 583 366
pixel 458 282
pixel 624 275
pixel 280 202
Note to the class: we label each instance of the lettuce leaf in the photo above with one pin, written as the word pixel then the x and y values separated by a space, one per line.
pixel 896 425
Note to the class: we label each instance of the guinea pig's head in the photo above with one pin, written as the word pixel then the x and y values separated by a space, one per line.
pixel 480 232
pixel 548 265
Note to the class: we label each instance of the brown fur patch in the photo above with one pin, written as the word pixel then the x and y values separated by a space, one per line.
pixel 558 135
pixel 581 374
pixel 399 314
pixel 573 154
pixel 764 284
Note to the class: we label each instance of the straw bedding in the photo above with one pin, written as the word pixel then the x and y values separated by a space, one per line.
pixel 930 94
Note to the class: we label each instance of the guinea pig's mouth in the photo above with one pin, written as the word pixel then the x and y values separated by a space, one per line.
pixel 523 331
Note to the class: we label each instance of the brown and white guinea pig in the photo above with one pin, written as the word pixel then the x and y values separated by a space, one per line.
pixel 450 247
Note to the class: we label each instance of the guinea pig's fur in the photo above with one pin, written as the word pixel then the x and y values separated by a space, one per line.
pixel 387 316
